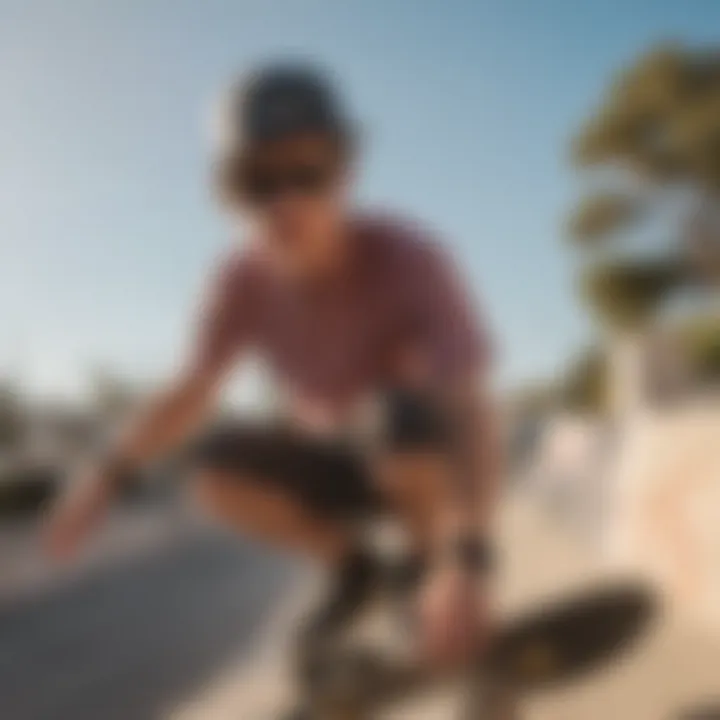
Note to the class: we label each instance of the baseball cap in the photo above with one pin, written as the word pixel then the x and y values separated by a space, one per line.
pixel 279 100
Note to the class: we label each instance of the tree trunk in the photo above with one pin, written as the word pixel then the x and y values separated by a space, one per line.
pixel 628 376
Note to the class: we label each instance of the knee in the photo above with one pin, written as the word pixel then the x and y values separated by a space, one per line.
pixel 213 462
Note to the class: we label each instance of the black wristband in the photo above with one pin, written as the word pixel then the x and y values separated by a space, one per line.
pixel 414 420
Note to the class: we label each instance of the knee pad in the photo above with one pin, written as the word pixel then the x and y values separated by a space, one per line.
pixel 415 420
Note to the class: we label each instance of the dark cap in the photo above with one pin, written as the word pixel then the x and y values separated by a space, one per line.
pixel 280 100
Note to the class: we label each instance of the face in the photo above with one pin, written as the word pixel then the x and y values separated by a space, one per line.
pixel 294 191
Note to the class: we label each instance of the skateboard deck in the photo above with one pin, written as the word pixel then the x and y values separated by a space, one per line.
pixel 565 639
pixel 549 646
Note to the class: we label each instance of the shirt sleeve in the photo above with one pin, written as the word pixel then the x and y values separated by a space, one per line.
pixel 224 325
pixel 448 326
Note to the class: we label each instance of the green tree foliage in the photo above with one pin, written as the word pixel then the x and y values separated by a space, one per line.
pixel 585 382
pixel 659 124
pixel 702 338
pixel 598 215
pixel 580 387
pixel 659 119
pixel 627 292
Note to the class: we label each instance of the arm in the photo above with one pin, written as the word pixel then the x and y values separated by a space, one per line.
pixel 475 457
pixel 167 420
pixel 164 423
pixel 454 600
pixel 457 350
pixel 223 330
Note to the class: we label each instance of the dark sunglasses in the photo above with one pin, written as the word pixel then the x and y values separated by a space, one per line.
pixel 260 186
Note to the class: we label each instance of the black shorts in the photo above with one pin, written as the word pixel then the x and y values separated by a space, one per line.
pixel 327 476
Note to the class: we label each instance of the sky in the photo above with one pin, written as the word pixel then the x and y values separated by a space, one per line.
pixel 467 108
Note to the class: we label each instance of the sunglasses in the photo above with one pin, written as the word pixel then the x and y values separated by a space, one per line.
pixel 260 186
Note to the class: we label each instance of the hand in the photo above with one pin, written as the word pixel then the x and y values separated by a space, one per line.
pixel 77 513
pixel 454 615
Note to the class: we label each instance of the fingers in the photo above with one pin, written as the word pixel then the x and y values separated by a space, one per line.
pixel 61 535
pixel 451 640
pixel 73 519
pixel 454 625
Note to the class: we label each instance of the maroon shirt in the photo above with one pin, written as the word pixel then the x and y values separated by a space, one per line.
pixel 334 345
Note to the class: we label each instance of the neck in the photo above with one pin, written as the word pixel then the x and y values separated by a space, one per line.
pixel 333 260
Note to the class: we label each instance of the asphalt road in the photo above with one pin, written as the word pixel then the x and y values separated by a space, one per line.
pixel 133 639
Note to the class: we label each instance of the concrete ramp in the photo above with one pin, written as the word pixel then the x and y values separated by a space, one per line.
pixel 665 514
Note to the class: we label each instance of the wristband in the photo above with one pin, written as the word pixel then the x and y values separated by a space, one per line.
pixel 414 421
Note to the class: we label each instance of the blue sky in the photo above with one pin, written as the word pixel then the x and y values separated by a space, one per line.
pixel 106 226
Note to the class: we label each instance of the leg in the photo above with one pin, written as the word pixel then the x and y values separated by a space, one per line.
pixel 276 485
pixel 411 485
pixel 305 493
pixel 295 492
pixel 247 504
pixel 414 484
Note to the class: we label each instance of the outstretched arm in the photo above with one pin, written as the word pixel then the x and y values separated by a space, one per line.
pixel 166 421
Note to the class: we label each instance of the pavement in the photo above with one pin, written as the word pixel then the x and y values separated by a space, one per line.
pixel 183 623
pixel 667 675
pixel 154 615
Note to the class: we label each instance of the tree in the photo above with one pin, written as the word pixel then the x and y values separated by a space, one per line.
pixel 655 138
pixel 584 382
pixel 702 337
pixel 652 151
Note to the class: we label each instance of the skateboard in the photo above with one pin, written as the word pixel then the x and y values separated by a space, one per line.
pixel 549 646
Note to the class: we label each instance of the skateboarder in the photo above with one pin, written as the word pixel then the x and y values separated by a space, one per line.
pixel 345 307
